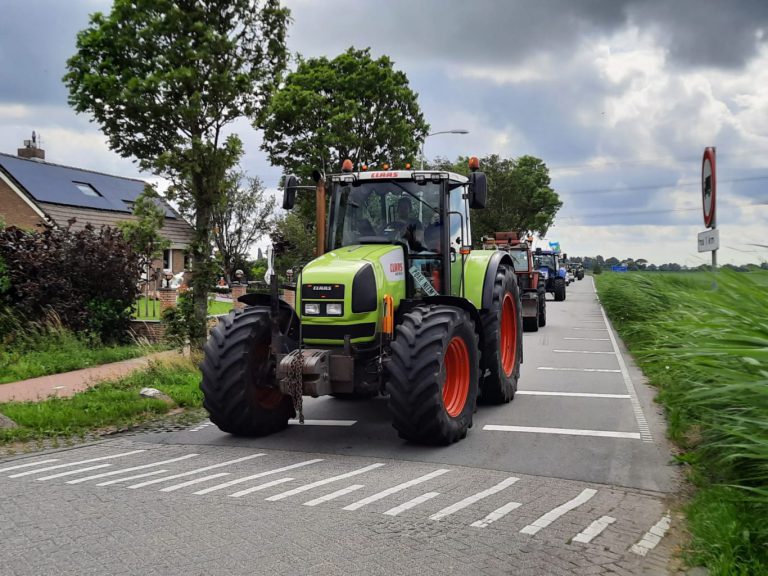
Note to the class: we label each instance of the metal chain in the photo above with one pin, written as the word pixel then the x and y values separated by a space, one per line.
pixel 293 382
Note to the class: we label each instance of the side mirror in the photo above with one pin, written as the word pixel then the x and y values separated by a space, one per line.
pixel 289 193
pixel 478 190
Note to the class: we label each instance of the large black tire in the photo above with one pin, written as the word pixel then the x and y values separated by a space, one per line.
pixel 580 275
pixel 239 386
pixel 542 306
pixel 531 323
pixel 559 289
pixel 433 375
pixel 498 385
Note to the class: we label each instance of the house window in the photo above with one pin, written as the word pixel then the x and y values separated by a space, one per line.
pixel 168 259
pixel 87 189
pixel 187 261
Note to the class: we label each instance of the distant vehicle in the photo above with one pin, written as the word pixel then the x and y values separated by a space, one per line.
pixel 547 262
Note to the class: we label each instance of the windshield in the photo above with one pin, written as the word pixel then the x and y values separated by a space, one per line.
pixel 520 260
pixel 386 211
pixel 545 260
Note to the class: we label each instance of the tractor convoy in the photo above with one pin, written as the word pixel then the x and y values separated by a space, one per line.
pixel 396 302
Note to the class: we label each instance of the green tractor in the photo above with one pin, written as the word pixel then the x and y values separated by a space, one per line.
pixel 399 304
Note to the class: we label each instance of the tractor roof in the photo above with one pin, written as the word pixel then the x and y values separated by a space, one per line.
pixel 398 175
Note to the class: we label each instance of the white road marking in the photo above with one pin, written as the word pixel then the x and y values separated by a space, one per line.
pixel 259 475
pixel 142 467
pixel 261 487
pixel 27 465
pixel 592 329
pixel 651 538
pixel 573 394
pixel 396 489
pixel 411 503
pixel 593 530
pixel 577 369
pixel 591 321
pixel 582 352
pixel 642 423
pixel 496 514
pixel 192 472
pixel 552 515
pixel 192 482
pixel 72 472
pixel 334 495
pixel 588 339
pixel 134 477
pixel 324 422
pixel 565 431
pixel 461 504
pixel 74 463
pixel 306 487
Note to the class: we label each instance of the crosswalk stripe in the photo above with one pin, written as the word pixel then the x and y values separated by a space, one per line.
pixel 306 487
pixel 193 481
pixel 396 489
pixel 192 472
pixel 261 487
pixel 583 352
pixel 27 465
pixel 411 503
pixel 594 529
pixel 66 465
pixel 547 519
pixel 606 370
pixel 72 472
pixel 334 495
pixel 496 514
pixel 651 538
pixel 565 431
pixel 124 470
pixel 134 477
pixel 572 394
pixel 461 504
pixel 254 476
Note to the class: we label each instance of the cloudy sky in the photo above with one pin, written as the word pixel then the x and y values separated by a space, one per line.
pixel 618 97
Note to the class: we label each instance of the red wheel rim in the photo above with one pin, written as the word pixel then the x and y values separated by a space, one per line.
pixel 268 398
pixel 508 334
pixel 456 387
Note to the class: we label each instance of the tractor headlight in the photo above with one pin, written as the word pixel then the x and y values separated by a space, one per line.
pixel 334 309
pixel 311 309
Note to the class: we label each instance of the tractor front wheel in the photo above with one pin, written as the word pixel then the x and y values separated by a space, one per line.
pixel 503 331
pixel 433 375
pixel 239 386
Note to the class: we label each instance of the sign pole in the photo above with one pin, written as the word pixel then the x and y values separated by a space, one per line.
pixel 714 212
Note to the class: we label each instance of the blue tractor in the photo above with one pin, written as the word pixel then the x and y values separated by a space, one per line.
pixel 547 262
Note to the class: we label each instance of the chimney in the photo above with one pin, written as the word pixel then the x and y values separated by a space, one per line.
pixel 30 150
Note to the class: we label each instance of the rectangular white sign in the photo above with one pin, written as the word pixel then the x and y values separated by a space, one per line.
pixel 709 240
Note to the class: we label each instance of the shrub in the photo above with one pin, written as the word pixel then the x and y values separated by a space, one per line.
pixel 597 269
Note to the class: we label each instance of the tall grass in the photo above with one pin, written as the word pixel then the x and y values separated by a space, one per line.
pixel 707 351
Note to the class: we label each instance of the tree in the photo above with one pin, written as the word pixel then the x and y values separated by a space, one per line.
pixel 163 78
pixel 143 234
pixel 242 216
pixel 349 107
pixel 294 244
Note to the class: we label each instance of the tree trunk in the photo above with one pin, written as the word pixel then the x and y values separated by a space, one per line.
pixel 202 269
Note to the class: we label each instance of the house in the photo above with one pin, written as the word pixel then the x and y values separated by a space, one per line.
pixel 34 192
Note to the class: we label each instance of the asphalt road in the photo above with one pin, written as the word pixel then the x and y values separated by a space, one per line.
pixel 572 477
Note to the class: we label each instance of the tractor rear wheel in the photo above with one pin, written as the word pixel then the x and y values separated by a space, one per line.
pixel 239 386
pixel 559 289
pixel 531 323
pixel 503 332
pixel 433 375
pixel 542 306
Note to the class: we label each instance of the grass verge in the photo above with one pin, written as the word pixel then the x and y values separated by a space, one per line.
pixel 150 309
pixel 707 351
pixel 106 406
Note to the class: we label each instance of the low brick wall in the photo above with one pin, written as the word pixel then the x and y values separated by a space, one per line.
pixel 152 330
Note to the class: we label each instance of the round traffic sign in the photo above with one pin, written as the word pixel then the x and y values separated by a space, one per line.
pixel 708 187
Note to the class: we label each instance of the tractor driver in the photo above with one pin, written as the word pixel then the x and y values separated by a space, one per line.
pixel 407 227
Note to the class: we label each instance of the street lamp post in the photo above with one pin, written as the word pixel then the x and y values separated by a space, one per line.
pixel 455 131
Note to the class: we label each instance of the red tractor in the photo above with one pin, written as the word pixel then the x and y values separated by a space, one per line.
pixel 532 285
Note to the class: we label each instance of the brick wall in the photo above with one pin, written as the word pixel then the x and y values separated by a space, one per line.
pixel 15 211
pixel 152 330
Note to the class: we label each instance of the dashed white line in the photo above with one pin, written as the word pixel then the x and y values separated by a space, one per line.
pixel 134 477
pixel 323 422
pixel 259 475
pixel 193 482
pixel 577 369
pixel 411 503
pixel 260 487
pixel 99 459
pixel 651 538
pixel 27 465
pixel 334 495
pixel 552 515
pixel 496 514
pixel 306 487
pixel 587 339
pixel 461 504
pixel 572 394
pixel 592 329
pixel 593 530
pixel 73 472
pixel 196 471
pixel 396 489
pixel 565 431
pixel 582 352
pixel 142 467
